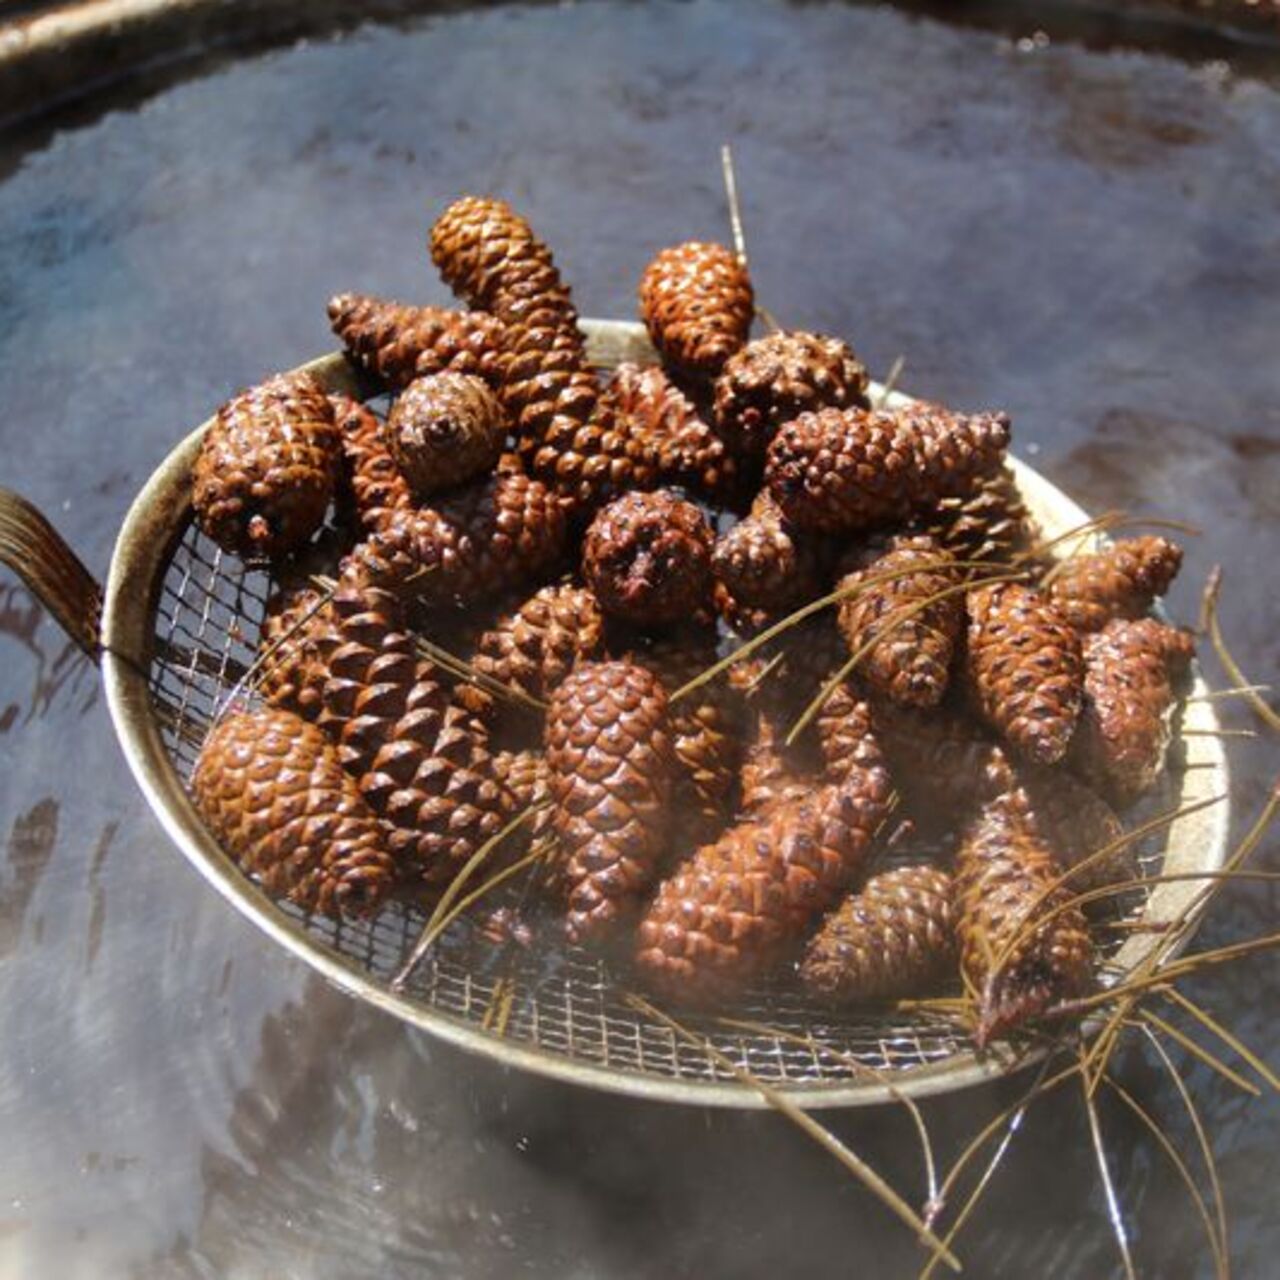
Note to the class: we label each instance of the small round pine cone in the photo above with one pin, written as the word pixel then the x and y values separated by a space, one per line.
pixel 779 377
pixel 840 471
pixel 267 467
pixel 894 938
pixel 764 563
pixel 376 486
pixel 1121 581
pixel 609 750
pixel 272 792
pixel 398 343
pixel 295 631
pixel 697 302
pixel 1129 701
pixel 1024 668
pixel 1021 949
pixel 991 524
pixel 647 557
pixel 443 430
pixel 906 619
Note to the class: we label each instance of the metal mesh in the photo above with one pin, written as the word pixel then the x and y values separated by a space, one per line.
pixel 550 997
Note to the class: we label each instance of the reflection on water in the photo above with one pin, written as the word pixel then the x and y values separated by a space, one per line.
pixel 69 671
pixel 30 847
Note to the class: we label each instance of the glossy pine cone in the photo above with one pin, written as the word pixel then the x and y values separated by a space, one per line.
pixel 1122 581
pixel 609 750
pixel 905 617
pixel 764 563
pixel 296 632
pixel 989 524
pixel 1003 879
pixel 1025 669
pixel 894 938
pixel 779 377
pixel 840 471
pixel 1129 700
pixel 647 558
pixel 398 343
pixel 376 487
pixel 271 790
pixel 697 302
pixel 443 430
pixel 267 467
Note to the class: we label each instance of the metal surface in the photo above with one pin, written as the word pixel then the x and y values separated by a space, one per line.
pixel 180 627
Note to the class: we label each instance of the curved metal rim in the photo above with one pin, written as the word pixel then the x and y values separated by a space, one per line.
pixel 137 563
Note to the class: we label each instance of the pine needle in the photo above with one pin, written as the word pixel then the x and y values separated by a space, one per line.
pixel 1228 1038
pixel 891 382
pixel 1114 1214
pixel 735 209
pixel 1197 1050
pixel 1209 623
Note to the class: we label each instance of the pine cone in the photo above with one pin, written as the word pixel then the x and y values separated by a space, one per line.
pixel 1121 582
pixel 894 938
pixel 1016 967
pixel 398 343
pixel 417 758
pixel 766 564
pixel 848 732
pixel 1129 699
pixel 697 303
pixel 1025 669
pixel 989 524
pixel 443 430
pixel 647 557
pixel 272 792
pixel 685 449
pixel 526 777
pixel 267 465
pixel 609 751
pixel 772 773
pixel 377 487
pixel 840 471
pixel 731 911
pixel 779 377
pixel 907 625
pixel 295 631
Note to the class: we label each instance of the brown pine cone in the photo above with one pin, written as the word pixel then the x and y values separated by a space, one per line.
pixel 295 630
pixel 1021 950
pixel 685 449
pixel 1129 701
pixel 764 563
pixel 839 471
pixel 772 772
pixel 697 302
pixel 735 908
pixel 1122 581
pixel 272 792
pixel 990 524
pixel 376 486
pixel 416 756
pixel 267 467
pixel 609 750
pixel 1025 669
pixel 443 430
pixel 779 377
pixel 526 777
pixel 647 557
pixel 848 733
pixel 398 343
pixel 892 939
pixel 911 621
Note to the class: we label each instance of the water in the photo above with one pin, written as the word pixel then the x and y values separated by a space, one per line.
pixel 1086 237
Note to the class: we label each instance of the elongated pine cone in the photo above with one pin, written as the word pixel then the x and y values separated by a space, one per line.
pixel 609 750
pixel 398 343
pixel 1129 701
pixel 416 756
pixel 736 907
pixel 271 790
pixel 990 524
pixel 1122 581
pixel 526 777
pixel 685 450
pixel 906 619
pixel 647 557
pixel 376 486
pixel 764 563
pixel 495 535
pixel 267 467
pixel 894 938
pixel 296 630
pixel 779 377
pixel 1025 668
pixel 848 733
pixel 1021 949
pixel 839 471
pixel 697 302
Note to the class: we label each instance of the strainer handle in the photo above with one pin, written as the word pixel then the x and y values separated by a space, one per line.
pixel 37 552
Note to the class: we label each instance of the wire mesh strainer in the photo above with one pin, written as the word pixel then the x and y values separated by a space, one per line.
pixel 179 624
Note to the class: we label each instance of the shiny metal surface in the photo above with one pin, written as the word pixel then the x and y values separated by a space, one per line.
pixel 180 1100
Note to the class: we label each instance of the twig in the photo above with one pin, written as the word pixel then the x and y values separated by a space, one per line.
pixel 735 210
pixel 891 382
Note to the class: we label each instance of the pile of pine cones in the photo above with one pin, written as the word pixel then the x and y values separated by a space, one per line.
pixel 590 547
